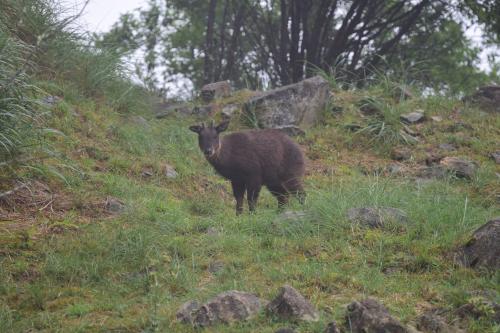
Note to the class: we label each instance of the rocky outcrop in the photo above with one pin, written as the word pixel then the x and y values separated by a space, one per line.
pixel 432 323
pixel 227 307
pixel 483 249
pixel 186 312
pixel 487 98
pixel 299 104
pixel 369 316
pixel 215 90
pixel 376 217
pixel 291 305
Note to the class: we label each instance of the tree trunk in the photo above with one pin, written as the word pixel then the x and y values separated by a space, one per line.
pixel 208 71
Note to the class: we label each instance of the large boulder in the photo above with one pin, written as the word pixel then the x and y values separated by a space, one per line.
pixel 487 98
pixel 376 217
pixel 215 90
pixel 227 307
pixel 299 104
pixel 290 304
pixel 483 249
pixel 369 316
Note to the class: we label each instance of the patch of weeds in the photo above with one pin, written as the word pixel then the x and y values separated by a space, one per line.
pixel 78 310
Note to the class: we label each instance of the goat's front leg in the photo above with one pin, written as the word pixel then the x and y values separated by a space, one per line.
pixel 239 193
pixel 253 190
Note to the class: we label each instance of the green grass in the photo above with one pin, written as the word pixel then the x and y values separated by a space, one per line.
pixel 132 272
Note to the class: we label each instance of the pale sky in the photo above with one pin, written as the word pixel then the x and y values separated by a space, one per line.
pixel 100 15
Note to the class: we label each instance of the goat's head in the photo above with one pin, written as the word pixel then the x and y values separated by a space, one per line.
pixel 208 137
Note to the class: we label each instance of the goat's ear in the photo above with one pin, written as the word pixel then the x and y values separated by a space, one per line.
pixel 222 126
pixel 195 128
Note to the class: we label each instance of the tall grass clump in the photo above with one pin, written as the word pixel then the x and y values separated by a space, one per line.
pixel 20 117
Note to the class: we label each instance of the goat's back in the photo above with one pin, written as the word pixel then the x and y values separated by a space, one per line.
pixel 269 154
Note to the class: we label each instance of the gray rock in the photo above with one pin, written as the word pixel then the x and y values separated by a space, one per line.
pixel 169 171
pixel 413 117
pixel 429 172
pixel 369 316
pixel 447 147
pixel 227 307
pixel 114 205
pixel 483 249
pixel 376 217
pixel 291 305
pixel 215 90
pixel 401 154
pixel 332 328
pixel 147 172
pixel 496 156
pixel 186 312
pixel 165 110
pixel 394 169
pixel 300 104
pixel 437 119
pixel 432 323
pixel 487 98
pixel 460 167
pixel 229 110
pixel 291 130
pixel 50 100
pixel 203 110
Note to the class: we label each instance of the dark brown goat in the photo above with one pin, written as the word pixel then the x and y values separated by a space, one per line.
pixel 250 159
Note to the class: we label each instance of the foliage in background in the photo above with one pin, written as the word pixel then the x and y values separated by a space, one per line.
pixel 259 43
pixel 37 44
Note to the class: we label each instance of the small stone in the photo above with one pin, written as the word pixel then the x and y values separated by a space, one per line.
pixel 114 205
pixel 435 171
pixel 371 316
pixel 412 117
pixel 431 323
pixel 496 156
pixel 460 167
pixel 163 110
pixel 394 168
pixel 186 312
pixel 50 100
pixel 332 328
pixel 291 305
pixel 147 172
pixel 169 171
pixel 447 147
pixel 376 217
pixel 227 307
pixel 437 119
pixel 483 249
pixel 401 154
pixel 139 120
pixel 216 266
pixel 203 110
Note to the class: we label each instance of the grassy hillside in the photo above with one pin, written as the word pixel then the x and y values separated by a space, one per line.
pixel 99 238
pixel 67 264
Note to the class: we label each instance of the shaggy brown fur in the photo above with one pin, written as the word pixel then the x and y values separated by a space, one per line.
pixel 251 159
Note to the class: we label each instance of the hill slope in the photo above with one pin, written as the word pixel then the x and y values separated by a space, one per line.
pixel 121 243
